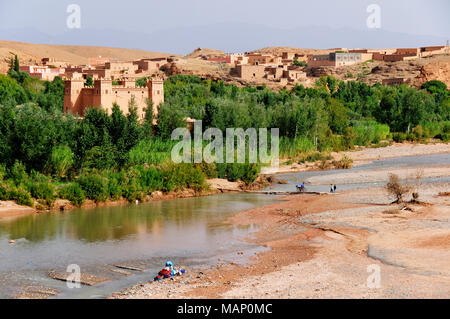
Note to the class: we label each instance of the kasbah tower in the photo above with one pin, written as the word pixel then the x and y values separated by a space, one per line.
pixel 77 97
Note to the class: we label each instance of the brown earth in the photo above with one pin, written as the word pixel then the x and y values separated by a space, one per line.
pixel 205 52
pixel 415 72
pixel 30 53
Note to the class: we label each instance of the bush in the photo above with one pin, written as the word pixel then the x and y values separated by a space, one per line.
pixel 250 174
pixel 196 180
pixel 152 151
pixel 368 132
pixel 61 160
pixel 131 192
pixel 74 193
pixel 399 137
pixel 151 179
pixel 314 157
pixel 18 174
pixel 114 189
pixel 95 186
pixel 3 191
pixel 20 195
pixel 291 147
pixel 394 188
pixel 345 163
pixel 2 172
pixel 43 190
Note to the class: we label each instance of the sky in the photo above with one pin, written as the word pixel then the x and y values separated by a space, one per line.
pixel 418 17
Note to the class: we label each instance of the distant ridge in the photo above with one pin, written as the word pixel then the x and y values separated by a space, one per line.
pixel 227 37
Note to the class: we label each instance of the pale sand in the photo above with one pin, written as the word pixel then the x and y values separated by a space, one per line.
pixel 381 175
pixel 322 246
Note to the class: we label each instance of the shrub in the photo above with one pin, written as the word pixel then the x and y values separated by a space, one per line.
pixel 368 132
pixel 345 163
pixel 396 189
pixel 291 147
pixel 131 192
pixel 20 195
pixel 95 186
pixel 3 191
pixel 74 193
pixel 18 174
pixel 2 172
pixel 43 190
pixel 114 189
pixel 196 180
pixel 399 137
pixel 250 173
pixel 314 157
pixel 151 151
pixel 234 172
pixel 151 179
pixel 61 160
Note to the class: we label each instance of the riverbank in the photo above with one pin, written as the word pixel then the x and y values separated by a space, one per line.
pixel 364 155
pixel 361 156
pixel 10 210
pixel 327 247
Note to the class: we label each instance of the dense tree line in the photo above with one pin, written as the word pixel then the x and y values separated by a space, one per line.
pixel 46 154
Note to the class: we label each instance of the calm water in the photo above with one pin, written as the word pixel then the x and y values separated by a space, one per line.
pixel 184 230
pixel 188 231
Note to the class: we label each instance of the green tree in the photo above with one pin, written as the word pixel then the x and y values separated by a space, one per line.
pixel 89 82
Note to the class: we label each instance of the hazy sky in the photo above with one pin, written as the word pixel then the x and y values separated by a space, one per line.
pixel 425 17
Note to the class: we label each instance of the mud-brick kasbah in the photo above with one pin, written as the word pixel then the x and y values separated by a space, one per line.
pixel 114 82
pixel 104 94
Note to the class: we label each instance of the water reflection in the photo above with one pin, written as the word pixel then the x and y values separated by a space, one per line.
pixel 117 223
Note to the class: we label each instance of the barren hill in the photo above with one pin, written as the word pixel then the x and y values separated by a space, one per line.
pixel 414 72
pixel 31 53
pixel 210 53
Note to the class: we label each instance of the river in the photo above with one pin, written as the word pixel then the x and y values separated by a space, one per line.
pixel 191 232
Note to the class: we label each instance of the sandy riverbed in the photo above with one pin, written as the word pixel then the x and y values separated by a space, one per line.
pixel 365 155
pixel 328 246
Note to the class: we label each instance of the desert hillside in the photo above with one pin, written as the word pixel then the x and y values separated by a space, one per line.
pixel 414 72
pixel 78 55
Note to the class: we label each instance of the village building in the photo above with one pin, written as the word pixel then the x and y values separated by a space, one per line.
pixel 250 72
pixel 99 60
pixel 288 55
pixel 44 73
pixel 338 59
pixel 294 74
pixel 149 65
pixel 77 97
pixel 274 73
pixel 52 62
pixel 258 59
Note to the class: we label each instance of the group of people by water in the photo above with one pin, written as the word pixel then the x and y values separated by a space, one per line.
pixel 301 188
